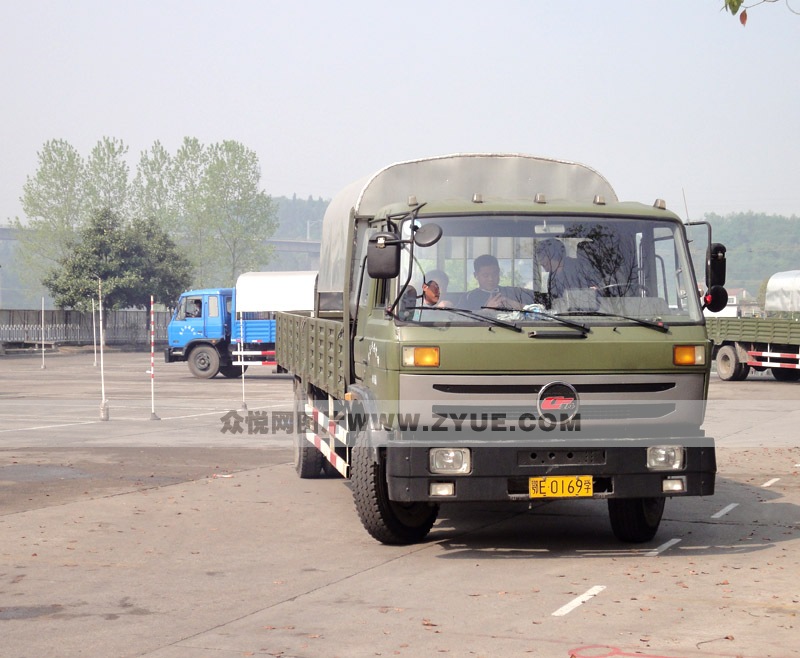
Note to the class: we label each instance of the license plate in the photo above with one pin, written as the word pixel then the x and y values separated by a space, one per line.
pixel 561 486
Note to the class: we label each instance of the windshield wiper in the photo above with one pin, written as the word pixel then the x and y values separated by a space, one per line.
pixel 650 324
pixel 539 313
pixel 467 313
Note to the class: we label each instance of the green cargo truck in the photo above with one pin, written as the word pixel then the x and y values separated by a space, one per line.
pixel 501 328
pixel 742 344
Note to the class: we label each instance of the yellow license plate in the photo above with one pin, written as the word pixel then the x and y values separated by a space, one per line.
pixel 561 486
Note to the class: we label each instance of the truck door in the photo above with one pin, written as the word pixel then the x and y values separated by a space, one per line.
pixel 214 317
pixel 189 321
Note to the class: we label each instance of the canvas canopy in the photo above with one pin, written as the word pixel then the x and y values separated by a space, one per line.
pixel 449 177
pixel 783 292
pixel 275 291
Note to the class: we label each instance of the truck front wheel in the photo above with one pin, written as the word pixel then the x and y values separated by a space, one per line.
pixel 388 521
pixel 204 362
pixel 729 367
pixel 635 519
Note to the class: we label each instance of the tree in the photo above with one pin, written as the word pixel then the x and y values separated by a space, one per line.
pixel 61 196
pixel 206 198
pixel 152 193
pixel 107 174
pixel 53 201
pixel 235 217
pixel 133 260
pixel 733 7
pixel 160 267
pixel 188 169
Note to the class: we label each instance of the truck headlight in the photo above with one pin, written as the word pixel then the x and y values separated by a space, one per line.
pixel 666 458
pixel 452 461
pixel 421 356
pixel 689 355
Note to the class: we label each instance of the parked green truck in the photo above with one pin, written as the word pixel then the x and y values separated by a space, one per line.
pixel 745 344
pixel 492 327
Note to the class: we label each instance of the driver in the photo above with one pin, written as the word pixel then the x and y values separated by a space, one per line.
pixel 434 289
pixel 489 293
pixel 552 257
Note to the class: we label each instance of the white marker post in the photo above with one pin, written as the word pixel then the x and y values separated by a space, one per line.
pixel 43 366
pixel 104 402
pixel 94 334
pixel 152 363
pixel 241 355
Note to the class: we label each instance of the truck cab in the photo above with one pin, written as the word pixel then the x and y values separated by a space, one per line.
pixel 200 323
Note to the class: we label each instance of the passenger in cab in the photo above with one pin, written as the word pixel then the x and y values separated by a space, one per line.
pixel 489 293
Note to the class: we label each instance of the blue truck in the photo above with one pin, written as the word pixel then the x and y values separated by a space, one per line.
pixel 224 330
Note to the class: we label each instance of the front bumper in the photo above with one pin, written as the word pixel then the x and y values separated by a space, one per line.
pixel 172 355
pixel 502 473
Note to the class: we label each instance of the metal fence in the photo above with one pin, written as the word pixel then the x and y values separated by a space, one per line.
pixel 74 327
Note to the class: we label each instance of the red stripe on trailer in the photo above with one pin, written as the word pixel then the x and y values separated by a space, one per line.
pixel 774 364
pixel 776 355
pixel 336 461
pixel 254 353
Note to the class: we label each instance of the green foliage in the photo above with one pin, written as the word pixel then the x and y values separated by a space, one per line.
pixel 132 259
pixel 300 219
pixel 207 198
pixel 152 191
pixel 107 173
pixel 53 200
pixel 234 217
pixel 758 246
pixel 733 6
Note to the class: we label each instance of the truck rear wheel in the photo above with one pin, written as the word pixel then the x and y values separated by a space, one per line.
pixel 388 521
pixel 786 374
pixel 307 458
pixel 204 362
pixel 232 372
pixel 635 519
pixel 729 367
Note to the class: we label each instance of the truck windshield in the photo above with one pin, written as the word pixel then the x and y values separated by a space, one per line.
pixel 527 269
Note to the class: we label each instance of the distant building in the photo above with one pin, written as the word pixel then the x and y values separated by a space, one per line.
pixel 741 304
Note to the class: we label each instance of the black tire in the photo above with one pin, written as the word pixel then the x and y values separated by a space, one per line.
pixel 307 458
pixel 635 519
pixel 232 372
pixel 729 367
pixel 786 374
pixel 329 470
pixel 204 362
pixel 387 521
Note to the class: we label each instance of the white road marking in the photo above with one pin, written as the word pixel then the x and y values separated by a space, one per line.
pixel 583 598
pixel 724 511
pixel 47 427
pixel 662 548
pixel 769 483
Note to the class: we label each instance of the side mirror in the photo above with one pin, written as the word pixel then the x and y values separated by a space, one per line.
pixel 715 265
pixel 715 299
pixel 383 255
pixel 427 235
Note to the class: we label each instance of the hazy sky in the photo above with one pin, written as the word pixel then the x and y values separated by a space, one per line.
pixel 664 97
